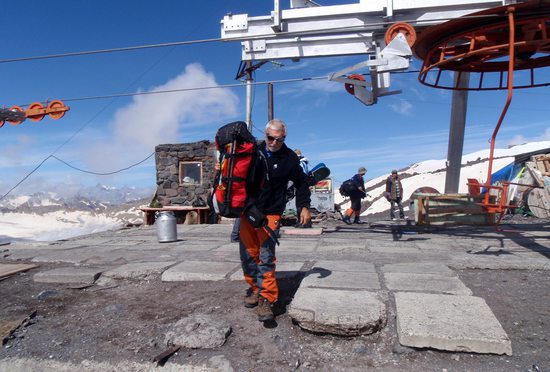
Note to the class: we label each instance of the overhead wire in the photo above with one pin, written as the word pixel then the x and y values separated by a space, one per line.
pixel 99 113
pixel 188 89
pixel 100 173
pixel 367 27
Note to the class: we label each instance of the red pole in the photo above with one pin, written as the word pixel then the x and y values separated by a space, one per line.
pixel 511 53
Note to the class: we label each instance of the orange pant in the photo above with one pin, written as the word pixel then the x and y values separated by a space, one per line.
pixel 257 251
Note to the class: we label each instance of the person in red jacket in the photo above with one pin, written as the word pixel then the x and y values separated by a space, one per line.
pixel 257 246
pixel 394 194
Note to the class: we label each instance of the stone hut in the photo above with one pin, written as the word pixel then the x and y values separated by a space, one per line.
pixel 185 173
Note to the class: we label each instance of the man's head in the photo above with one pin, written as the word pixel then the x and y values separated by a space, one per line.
pixel 362 171
pixel 275 133
pixel 298 152
pixel 394 173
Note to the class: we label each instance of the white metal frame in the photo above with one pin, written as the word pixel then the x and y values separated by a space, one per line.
pixel 339 30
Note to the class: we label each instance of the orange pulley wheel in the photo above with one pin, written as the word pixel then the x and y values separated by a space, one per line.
pixel 55 109
pixel 350 88
pixel 36 112
pixel 16 122
pixel 401 27
pixel 1 123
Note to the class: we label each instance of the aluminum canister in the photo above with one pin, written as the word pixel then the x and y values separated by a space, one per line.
pixel 166 227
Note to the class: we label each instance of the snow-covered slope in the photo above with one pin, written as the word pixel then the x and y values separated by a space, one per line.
pixel 432 173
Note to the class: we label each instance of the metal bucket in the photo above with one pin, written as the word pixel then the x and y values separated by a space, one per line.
pixel 166 227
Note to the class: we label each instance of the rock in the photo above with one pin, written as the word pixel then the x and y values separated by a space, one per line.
pixel 199 331
pixel 400 349
pixel 47 294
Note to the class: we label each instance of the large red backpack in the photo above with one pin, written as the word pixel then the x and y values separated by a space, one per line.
pixel 238 156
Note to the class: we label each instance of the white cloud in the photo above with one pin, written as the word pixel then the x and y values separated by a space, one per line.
pixel 12 153
pixel 150 120
pixel 402 107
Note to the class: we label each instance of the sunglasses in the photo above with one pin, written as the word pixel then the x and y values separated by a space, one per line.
pixel 271 138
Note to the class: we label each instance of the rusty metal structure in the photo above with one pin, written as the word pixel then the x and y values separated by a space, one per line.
pixel 36 111
pixel 493 44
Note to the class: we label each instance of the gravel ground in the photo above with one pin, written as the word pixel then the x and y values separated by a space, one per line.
pixel 127 323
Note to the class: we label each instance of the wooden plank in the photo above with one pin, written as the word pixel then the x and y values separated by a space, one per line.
pixel 452 209
pixel 10 269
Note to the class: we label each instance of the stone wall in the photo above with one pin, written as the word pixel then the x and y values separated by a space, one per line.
pixel 172 189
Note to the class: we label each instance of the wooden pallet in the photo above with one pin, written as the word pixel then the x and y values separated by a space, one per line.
pixel 543 164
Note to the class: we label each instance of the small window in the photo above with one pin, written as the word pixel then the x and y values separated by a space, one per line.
pixel 191 173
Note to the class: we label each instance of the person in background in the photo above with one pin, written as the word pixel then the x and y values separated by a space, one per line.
pixel 304 162
pixel 394 194
pixel 235 230
pixel 355 197
pixel 256 246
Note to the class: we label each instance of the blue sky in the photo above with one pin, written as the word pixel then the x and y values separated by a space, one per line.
pixel 105 135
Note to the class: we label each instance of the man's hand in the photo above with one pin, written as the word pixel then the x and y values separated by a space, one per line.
pixel 305 216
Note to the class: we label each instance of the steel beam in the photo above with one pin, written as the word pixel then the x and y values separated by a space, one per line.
pixel 338 29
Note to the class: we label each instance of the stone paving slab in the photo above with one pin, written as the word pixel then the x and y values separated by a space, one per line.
pixel 466 261
pixel 293 246
pixel 334 250
pixel 303 232
pixel 419 268
pixel 347 266
pixel 71 256
pixel 138 270
pixel 69 275
pixel 425 283
pixel 341 280
pixel 339 312
pixel 446 322
pixel 395 250
pixel 285 270
pixel 198 270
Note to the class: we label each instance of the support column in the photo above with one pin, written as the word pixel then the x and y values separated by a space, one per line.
pixel 456 132
pixel 249 96
pixel 269 101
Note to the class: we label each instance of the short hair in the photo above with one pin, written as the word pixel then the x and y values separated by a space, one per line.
pixel 276 124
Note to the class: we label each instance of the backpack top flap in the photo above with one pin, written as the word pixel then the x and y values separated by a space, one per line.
pixel 235 131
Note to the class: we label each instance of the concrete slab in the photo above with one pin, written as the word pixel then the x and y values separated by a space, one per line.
pixel 68 275
pixel 506 262
pixel 335 248
pixel 341 280
pixel 425 283
pixel 347 266
pixel 453 323
pixel 138 270
pixel 293 246
pixel 397 250
pixel 198 270
pixel 285 270
pixel 302 232
pixel 419 268
pixel 339 312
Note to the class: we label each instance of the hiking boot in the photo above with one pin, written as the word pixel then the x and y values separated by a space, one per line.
pixel 346 219
pixel 358 221
pixel 265 312
pixel 251 299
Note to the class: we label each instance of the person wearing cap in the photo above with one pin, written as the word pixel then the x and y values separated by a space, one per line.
pixel 304 162
pixel 394 194
pixel 355 197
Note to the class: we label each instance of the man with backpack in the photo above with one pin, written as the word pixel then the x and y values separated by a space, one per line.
pixel 355 195
pixel 257 245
